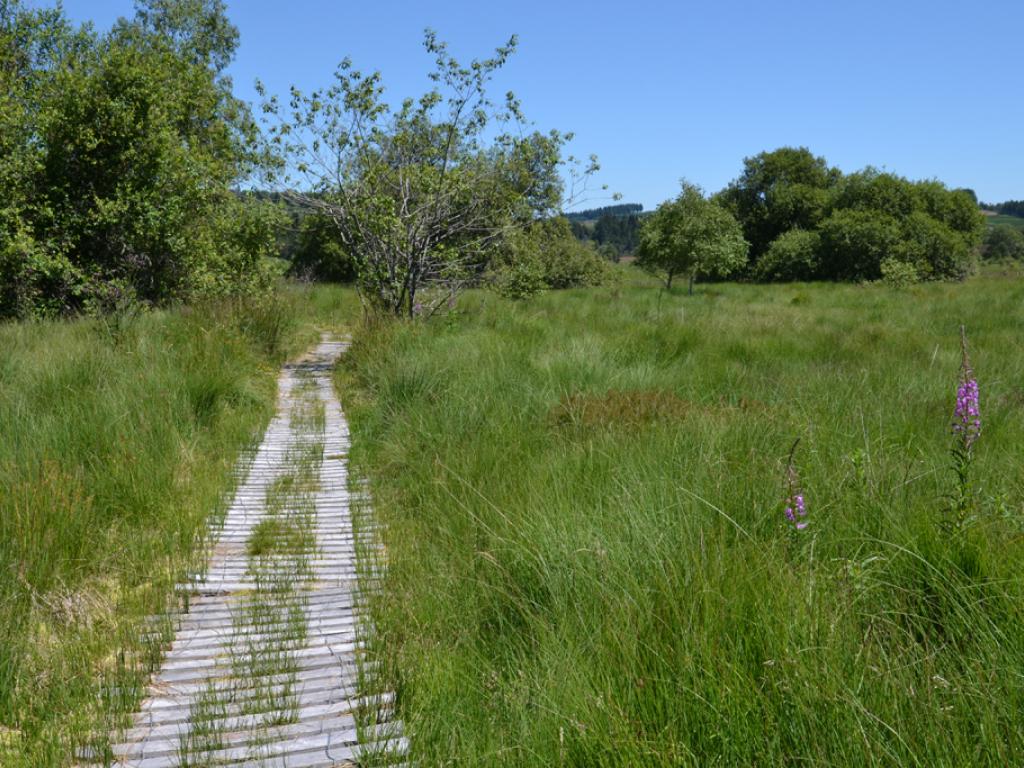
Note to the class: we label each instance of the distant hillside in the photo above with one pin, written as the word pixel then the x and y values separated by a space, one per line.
pixel 1009 208
pixel 593 214
pixel 615 229
pixel 1000 219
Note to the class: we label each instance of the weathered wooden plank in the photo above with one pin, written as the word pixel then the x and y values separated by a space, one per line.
pixel 205 673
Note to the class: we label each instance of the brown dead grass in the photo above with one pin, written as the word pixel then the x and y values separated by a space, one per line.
pixel 635 408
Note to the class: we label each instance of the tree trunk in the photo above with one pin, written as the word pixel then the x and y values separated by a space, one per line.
pixel 691 283
pixel 668 282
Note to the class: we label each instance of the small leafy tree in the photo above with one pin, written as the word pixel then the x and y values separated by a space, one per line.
pixel 422 194
pixel 691 236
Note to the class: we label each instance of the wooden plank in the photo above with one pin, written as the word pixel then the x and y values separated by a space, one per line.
pixel 324 589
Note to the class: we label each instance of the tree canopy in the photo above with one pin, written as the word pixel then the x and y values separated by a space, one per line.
pixel 120 151
pixel 779 191
pixel 1004 243
pixel 1009 208
pixel 424 193
pixel 691 236
pixel 808 221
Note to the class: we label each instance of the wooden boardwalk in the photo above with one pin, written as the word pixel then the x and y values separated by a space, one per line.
pixel 265 667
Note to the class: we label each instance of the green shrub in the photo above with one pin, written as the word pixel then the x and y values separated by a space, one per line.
pixel 119 155
pixel 792 256
pixel 568 263
pixel 899 274
pixel 855 242
pixel 319 254
pixel 1003 242
pixel 546 255
pixel 520 279
pixel 934 248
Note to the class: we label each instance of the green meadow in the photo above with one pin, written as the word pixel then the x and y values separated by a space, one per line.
pixel 582 497
pixel 589 562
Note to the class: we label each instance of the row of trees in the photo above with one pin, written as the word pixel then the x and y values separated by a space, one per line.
pixel 119 153
pixel 593 214
pixel 799 219
pixel 1009 208
pixel 122 155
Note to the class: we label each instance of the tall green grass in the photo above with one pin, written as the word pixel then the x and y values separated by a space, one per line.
pixel 589 562
pixel 119 440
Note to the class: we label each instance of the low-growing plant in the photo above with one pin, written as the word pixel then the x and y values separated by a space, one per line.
pixel 794 506
pixel 899 274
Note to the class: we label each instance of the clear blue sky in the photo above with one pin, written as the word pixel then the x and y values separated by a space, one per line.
pixel 925 88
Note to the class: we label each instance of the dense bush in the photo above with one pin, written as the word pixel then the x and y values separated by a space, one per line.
pixel 863 219
pixel 120 152
pixel 1003 242
pixel 899 274
pixel 779 191
pixel 792 256
pixel 319 254
pixel 545 255
pixel 855 242
pixel 933 248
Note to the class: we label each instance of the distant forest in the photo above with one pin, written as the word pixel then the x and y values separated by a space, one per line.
pixel 1009 208
pixel 593 214
pixel 615 229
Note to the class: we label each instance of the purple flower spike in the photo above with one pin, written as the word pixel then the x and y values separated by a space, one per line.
pixel 967 412
pixel 795 505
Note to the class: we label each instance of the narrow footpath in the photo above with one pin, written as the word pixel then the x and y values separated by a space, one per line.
pixel 265 667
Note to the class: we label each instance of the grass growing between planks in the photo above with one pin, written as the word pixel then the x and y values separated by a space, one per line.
pixel 589 564
pixel 119 440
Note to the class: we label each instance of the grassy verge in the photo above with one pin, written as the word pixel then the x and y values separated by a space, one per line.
pixel 589 562
pixel 119 439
